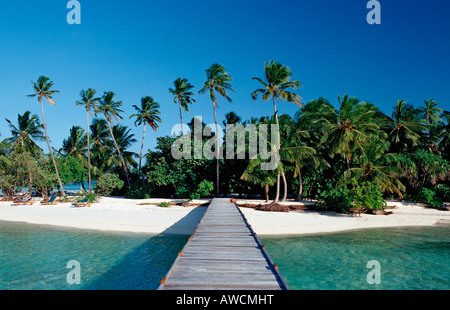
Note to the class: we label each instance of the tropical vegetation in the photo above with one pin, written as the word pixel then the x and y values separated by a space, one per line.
pixel 346 154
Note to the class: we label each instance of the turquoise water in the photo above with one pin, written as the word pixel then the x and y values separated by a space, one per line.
pixel 410 258
pixel 36 257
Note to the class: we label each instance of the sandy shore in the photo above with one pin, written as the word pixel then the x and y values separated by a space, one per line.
pixel 309 222
pixel 143 216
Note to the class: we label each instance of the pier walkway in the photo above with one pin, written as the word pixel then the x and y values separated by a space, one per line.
pixel 223 253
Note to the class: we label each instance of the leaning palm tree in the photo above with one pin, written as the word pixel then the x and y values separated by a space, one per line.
pixel 124 139
pixel 263 178
pixel 375 165
pixel 147 113
pixel 218 80
pixel 110 110
pixel 276 85
pixel 90 102
pixel 182 96
pixel 23 135
pixel 43 89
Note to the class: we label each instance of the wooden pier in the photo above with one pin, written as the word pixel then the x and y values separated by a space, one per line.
pixel 223 253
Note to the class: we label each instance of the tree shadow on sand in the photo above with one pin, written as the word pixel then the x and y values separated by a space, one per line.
pixel 146 265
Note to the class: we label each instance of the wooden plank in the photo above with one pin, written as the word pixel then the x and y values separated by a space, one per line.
pixel 223 253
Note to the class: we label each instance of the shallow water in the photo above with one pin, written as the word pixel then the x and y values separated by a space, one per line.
pixel 410 258
pixel 36 257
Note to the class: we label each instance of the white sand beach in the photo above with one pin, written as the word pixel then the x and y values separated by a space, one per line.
pixel 143 216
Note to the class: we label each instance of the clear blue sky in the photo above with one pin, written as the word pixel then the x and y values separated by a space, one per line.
pixel 138 48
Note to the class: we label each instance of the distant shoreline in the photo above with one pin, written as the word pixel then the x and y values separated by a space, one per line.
pixel 144 216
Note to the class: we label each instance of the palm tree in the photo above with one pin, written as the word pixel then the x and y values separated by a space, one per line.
pixel 263 178
pixel 147 113
pixel 102 146
pixel 405 128
pixel 110 110
pixel 276 84
pixel 90 102
pixel 354 124
pixel 75 146
pixel 375 165
pixel 217 80
pixel 43 89
pixel 431 114
pixel 124 139
pixel 182 96
pixel 444 144
pixel 28 129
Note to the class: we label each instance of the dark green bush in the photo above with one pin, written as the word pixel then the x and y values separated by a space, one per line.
pixel 204 189
pixel 358 199
pixel 430 197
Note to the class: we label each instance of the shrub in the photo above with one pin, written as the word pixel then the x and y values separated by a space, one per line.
pixel 204 189
pixel 368 196
pixel 139 190
pixel 339 199
pixel 107 183
pixel 443 191
pixel 362 197
pixel 90 196
pixel 164 204
pixel 430 197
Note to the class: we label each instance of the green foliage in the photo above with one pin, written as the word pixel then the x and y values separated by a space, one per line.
pixel 170 177
pixel 443 191
pixel 164 204
pixel 139 190
pixel 107 183
pixel 71 170
pixel 90 196
pixel 359 199
pixel 338 199
pixel 204 189
pixel 430 197
pixel 368 196
pixel 21 170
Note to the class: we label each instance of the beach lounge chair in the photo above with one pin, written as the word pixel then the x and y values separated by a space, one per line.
pixel 84 203
pixel 51 201
pixel 23 202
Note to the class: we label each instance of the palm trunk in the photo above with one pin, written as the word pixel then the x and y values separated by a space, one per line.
pixel 181 117
pixel 300 186
pixel 277 196
pixel 266 190
pixel 285 186
pixel 50 149
pixel 142 148
pixel 88 151
pixel 120 154
pixel 217 150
